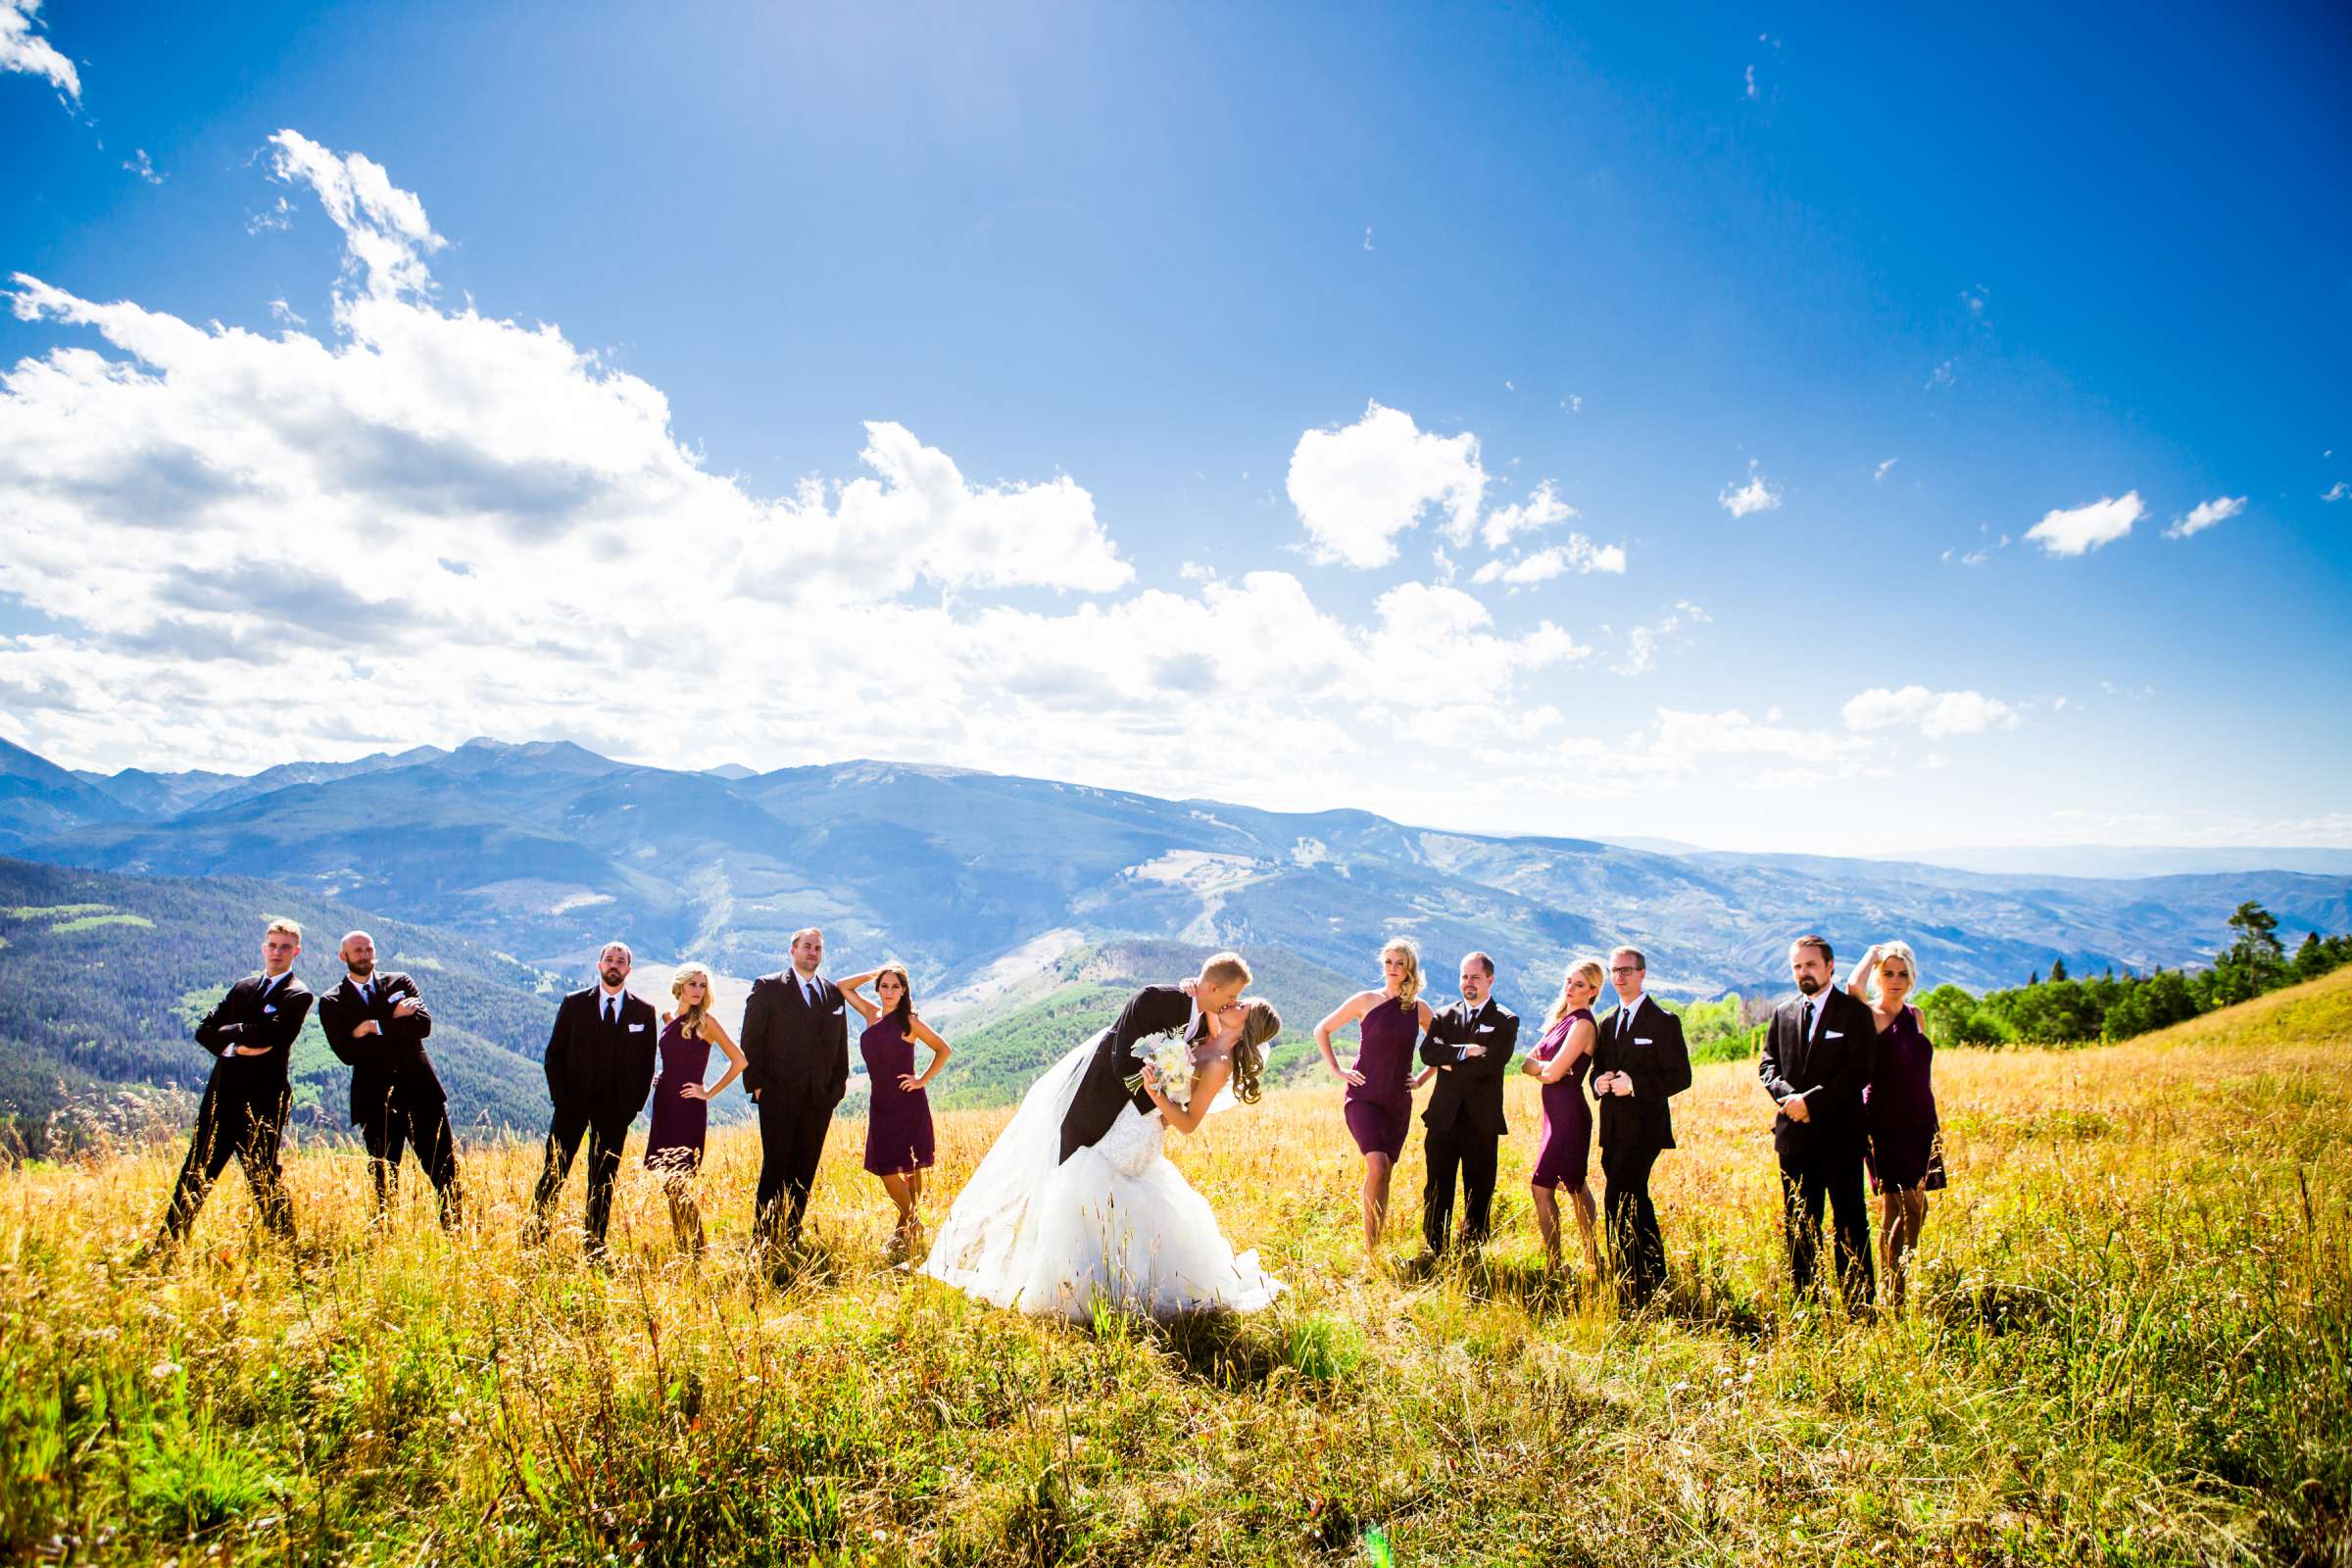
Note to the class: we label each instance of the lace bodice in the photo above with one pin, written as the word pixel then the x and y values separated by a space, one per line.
pixel 1133 1141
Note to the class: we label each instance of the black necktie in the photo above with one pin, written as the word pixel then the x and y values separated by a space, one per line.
pixel 268 985
pixel 1808 1020
pixel 612 1011
pixel 1624 1017
pixel 368 993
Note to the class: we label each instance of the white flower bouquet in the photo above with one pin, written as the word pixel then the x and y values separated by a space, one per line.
pixel 1171 1060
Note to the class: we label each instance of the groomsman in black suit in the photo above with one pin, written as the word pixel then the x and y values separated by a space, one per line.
pixel 1814 1062
pixel 795 1048
pixel 1470 1044
pixel 377 1022
pixel 1639 1063
pixel 243 1112
pixel 600 1067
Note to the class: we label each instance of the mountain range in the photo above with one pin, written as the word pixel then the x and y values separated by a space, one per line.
pixel 544 850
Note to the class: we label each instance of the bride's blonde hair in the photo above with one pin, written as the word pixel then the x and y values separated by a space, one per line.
pixel 1261 1024
pixel 1409 990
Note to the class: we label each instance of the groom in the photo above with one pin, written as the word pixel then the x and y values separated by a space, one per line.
pixel 1102 1089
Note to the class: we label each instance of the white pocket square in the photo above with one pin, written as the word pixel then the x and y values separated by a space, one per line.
pixel 1486 1028
pixel 268 1007
pixel 636 1028
pixel 1833 1034
pixel 1640 1040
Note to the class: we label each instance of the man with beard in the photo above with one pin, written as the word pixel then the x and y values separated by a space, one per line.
pixel 600 1067
pixel 1816 1058
pixel 375 1022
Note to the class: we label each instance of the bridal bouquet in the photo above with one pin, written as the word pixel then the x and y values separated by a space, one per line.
pixel 1172 1059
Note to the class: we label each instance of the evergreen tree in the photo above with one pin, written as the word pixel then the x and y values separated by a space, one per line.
pixel 2057 971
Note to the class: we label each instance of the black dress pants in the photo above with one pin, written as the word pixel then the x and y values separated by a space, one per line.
pixel 792 1141
pixel 1636 1247
pixel 1827 1173
pixel 233 1127
pixel 605 1135
pixel 421 1126
pixel 1464 1149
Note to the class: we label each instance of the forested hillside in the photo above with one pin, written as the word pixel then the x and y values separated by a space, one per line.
pixel 102 977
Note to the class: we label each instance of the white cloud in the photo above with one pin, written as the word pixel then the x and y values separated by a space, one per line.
pixel 1754 496
pixel 1752 94
pixel 1359 487
pixel 1367 237
pixel 139 163
pixel 2338 491
pixel 1579 554
pixel 1932 713
pixel 1880 472
pixel 1642 643
pixel 2078 530
pixel 1973 298
pixel 25 50
pixel 1540 510
pixel 1942 375
pixel 427 515
pixel 2204 514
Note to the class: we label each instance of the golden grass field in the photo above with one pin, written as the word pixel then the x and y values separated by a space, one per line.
pixel 2127 1344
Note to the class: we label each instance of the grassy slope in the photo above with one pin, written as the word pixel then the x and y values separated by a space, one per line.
pixel 2129 1345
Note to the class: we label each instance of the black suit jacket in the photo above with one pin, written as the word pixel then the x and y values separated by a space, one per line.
pixel 793 1051
pixel 1469 1090
pixel 384 1064
pixel 1829 1070
pixel 1103 1085
pixel 243 1018
pixel 1650 1053
pixel 602 1072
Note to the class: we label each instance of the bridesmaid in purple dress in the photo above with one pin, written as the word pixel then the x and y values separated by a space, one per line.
pixel 899 1143
pixel 1379 1103
pixel 673 1145
pixel 1898 1107
pixel 1559 1062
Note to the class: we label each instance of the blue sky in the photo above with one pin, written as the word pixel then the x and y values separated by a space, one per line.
pixel 1810 319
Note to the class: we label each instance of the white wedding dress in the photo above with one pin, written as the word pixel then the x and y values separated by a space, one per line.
pixel 1114 1226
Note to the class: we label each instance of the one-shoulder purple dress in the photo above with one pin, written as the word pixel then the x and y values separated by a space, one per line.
pixel 1898 1105
pixel 1565 1151
pixel 1380 1109
pixel 897 1122
pixel 673 1144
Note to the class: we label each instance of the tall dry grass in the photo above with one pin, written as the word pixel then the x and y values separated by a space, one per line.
pixel 2127 1344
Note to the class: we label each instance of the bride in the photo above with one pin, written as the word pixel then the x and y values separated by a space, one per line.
pixel 1114 1225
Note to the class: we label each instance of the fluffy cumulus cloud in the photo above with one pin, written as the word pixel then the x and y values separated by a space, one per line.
pixel 1932 714
pixel 2204 514
pixel 1358 486
pixel 422 522
pixel 1576 554
pixel 1757 495
pixel 23 49
pixel 1540 510
pixel 2075 530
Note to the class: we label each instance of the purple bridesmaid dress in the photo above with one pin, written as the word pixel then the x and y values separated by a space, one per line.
pixel 1380 1109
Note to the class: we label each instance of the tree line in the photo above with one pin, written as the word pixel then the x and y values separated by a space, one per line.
pixel 2060 1008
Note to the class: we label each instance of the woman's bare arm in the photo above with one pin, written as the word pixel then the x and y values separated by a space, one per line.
pixel 1206 1084
pixel 1345 1013
pixel 850 989
pixel 939 1056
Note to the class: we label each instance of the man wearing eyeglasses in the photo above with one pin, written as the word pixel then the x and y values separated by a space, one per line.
pixel 1639 1063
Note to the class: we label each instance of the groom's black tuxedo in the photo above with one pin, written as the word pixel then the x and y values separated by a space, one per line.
pixel 1102 1088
